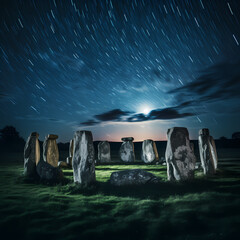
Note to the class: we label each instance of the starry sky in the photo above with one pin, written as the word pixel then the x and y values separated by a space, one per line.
pixel 120 67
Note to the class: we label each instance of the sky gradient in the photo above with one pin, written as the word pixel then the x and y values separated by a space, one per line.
pixel 120 68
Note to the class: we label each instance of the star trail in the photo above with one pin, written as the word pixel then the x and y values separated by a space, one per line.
pixel 98 65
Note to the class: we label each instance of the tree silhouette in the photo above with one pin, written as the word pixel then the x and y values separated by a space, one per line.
pixel 10 139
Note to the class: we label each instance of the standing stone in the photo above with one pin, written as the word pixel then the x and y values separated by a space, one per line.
pixel 50 150
pixel 31 155
pixel 179 155
pixel 149 151
pixel 104 152
pixel 127 150
pixel 69 158
pixel 208 153
pixel 83 158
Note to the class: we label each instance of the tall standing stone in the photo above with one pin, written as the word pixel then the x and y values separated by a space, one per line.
pixel 104 152
pixel 50 150
pixel 69 158
pixel 31 154
pixel 208 153
pixel 149 151
pixel 127 150
pixel 179 155
pixel 83 158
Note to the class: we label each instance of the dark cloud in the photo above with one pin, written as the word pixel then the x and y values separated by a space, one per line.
pixel 219 82
pixel 157 114
pixel 115 114
pixel 90 123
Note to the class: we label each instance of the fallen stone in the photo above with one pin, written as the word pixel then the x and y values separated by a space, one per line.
pixel 104 152
pixel 132 177
pixel 50 150
pixel 207 151
pixel 179 155
pixel 31 155
pixel 149 151
pixel 47 172
pixel 83 158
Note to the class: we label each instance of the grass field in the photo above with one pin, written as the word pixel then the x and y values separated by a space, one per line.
pixel 206 208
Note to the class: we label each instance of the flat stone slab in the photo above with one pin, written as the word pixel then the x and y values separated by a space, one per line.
pixel 125 139
pixel 132 177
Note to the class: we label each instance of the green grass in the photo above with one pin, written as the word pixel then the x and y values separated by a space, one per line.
pixel 206 208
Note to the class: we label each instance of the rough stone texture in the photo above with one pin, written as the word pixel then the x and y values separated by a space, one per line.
pixel 104 152
pixel 48 172
pixel 31 155
pixel 127 152
pixel 132 177
pixel 207 151
pixel 179 155
pixel 125 139
pixel 83 158
pixel 149 151
pixel 50 150
pixel 62 164
pixel 69 158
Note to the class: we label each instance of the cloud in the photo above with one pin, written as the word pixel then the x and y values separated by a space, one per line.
pixel 159 114
pixel 219 82
pixel 118 115
pixel 115 114
pixel 90 122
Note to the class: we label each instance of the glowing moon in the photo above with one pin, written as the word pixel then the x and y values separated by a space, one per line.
pixel 146 110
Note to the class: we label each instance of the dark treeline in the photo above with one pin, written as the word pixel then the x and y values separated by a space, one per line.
pixel 11 141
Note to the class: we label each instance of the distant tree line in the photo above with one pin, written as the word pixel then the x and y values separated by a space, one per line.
pixel 11 141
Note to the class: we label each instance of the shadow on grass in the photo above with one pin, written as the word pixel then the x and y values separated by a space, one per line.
pixel 120 169
pixel 223 182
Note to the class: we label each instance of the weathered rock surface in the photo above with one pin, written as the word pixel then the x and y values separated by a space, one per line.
pixel 127 152
pixel 31 155
pixel 47 172
pixel 125 139
pixel 69 158
pixel 50 150
pixel 132 177
pixel 62 164
pixel 104 152
pixel 149 151
pixel 207 151
pixel 83 158
pixel 179 155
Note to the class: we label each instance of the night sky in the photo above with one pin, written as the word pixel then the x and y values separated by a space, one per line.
pixel 120 68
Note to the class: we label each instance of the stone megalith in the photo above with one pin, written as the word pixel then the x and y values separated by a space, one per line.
pixel 179 155
pixel 149 151
pixel 83 158
pixel 49 173
pixel 104 152
pixel 132 177
pixel 127 150
pixel 69 158
pixel 207 151
pixel 31 155
pixel 50 150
